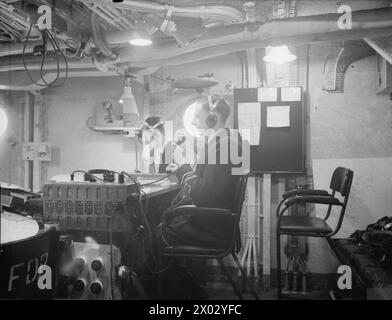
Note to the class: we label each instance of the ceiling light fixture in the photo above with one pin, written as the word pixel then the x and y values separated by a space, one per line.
pixel 278 55
pixel 140 41
pixel 141 36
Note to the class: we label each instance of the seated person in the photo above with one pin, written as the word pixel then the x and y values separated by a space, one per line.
pixel 211 184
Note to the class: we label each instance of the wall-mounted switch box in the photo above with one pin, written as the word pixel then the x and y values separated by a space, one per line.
pixel 40 151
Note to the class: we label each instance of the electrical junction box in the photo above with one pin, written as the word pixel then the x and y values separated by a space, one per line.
pixel 40 151
pixel 111 118
pixel 92 271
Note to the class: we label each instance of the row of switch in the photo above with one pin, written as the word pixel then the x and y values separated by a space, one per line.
pixel 96 287
pixel 79 264
pixel 80 284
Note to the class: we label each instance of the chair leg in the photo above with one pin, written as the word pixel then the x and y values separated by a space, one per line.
pixel 278 265
pixel 236 291
pixel 159 291
pixel 251 287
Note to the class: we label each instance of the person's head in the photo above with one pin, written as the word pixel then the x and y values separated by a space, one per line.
pixel 151 128
pixel 211 113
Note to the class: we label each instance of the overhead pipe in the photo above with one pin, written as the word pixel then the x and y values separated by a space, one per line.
pixel 383 46
pixel 10 64
pixel 34 63
pixel 300 30
pixel 215 51
pixel 325 23
pixel 11 49
pixel 9 82
pixel 106 17
pixel 122 18
pixel 65 11
pixel 19 80
pixel 99 42
pixel 224 13
pixel 178 57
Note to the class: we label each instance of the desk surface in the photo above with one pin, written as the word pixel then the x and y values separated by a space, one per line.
pixel 154 190
pixel 16 227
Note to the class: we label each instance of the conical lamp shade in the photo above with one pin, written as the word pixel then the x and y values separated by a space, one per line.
pixel 128 101
pixel 279 55
pixel 127 94
pixel 129 106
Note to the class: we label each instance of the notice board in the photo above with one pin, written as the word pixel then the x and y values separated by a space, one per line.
pixel 275 118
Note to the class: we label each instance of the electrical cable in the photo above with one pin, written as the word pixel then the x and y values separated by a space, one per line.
pixel 160 179
pixel 111 257
pixel 54 42
pixel 158 271
pixel 290 261
pixel 47 36
pixel 149 237
pixel 143 211
pixel 146 198
pixel 132 179
pixel 78 51
pixel 85 172
pixel 69 46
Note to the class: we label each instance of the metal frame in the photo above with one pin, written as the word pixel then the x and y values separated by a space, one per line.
pixel 296 199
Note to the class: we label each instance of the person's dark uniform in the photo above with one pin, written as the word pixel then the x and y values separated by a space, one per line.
pixel 214 187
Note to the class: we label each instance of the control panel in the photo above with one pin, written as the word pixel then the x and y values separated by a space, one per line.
pixel 88 206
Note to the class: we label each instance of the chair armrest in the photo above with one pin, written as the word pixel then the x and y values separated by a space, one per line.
pixel 199 213
pixel 313 199
pixel 304 192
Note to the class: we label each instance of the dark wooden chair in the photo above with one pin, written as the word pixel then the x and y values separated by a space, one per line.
pixel 307 226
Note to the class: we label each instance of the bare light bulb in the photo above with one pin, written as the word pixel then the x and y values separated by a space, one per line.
pixel 140 42
pixel 279 55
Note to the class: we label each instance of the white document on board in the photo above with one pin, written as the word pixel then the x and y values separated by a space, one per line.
pixel 291 94
pixel 278 116
pixel 267 94
pixel 249 117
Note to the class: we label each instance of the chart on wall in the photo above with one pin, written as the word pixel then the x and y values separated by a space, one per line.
pixel 274 118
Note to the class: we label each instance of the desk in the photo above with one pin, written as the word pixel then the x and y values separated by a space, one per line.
pixel 16 227
pixel 155 190
pixel 159 199
pixel 155 197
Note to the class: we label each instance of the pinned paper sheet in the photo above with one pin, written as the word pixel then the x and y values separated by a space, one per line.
pixel 278 117
pixel 291 94
pixel 249 116
pixel 267 94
